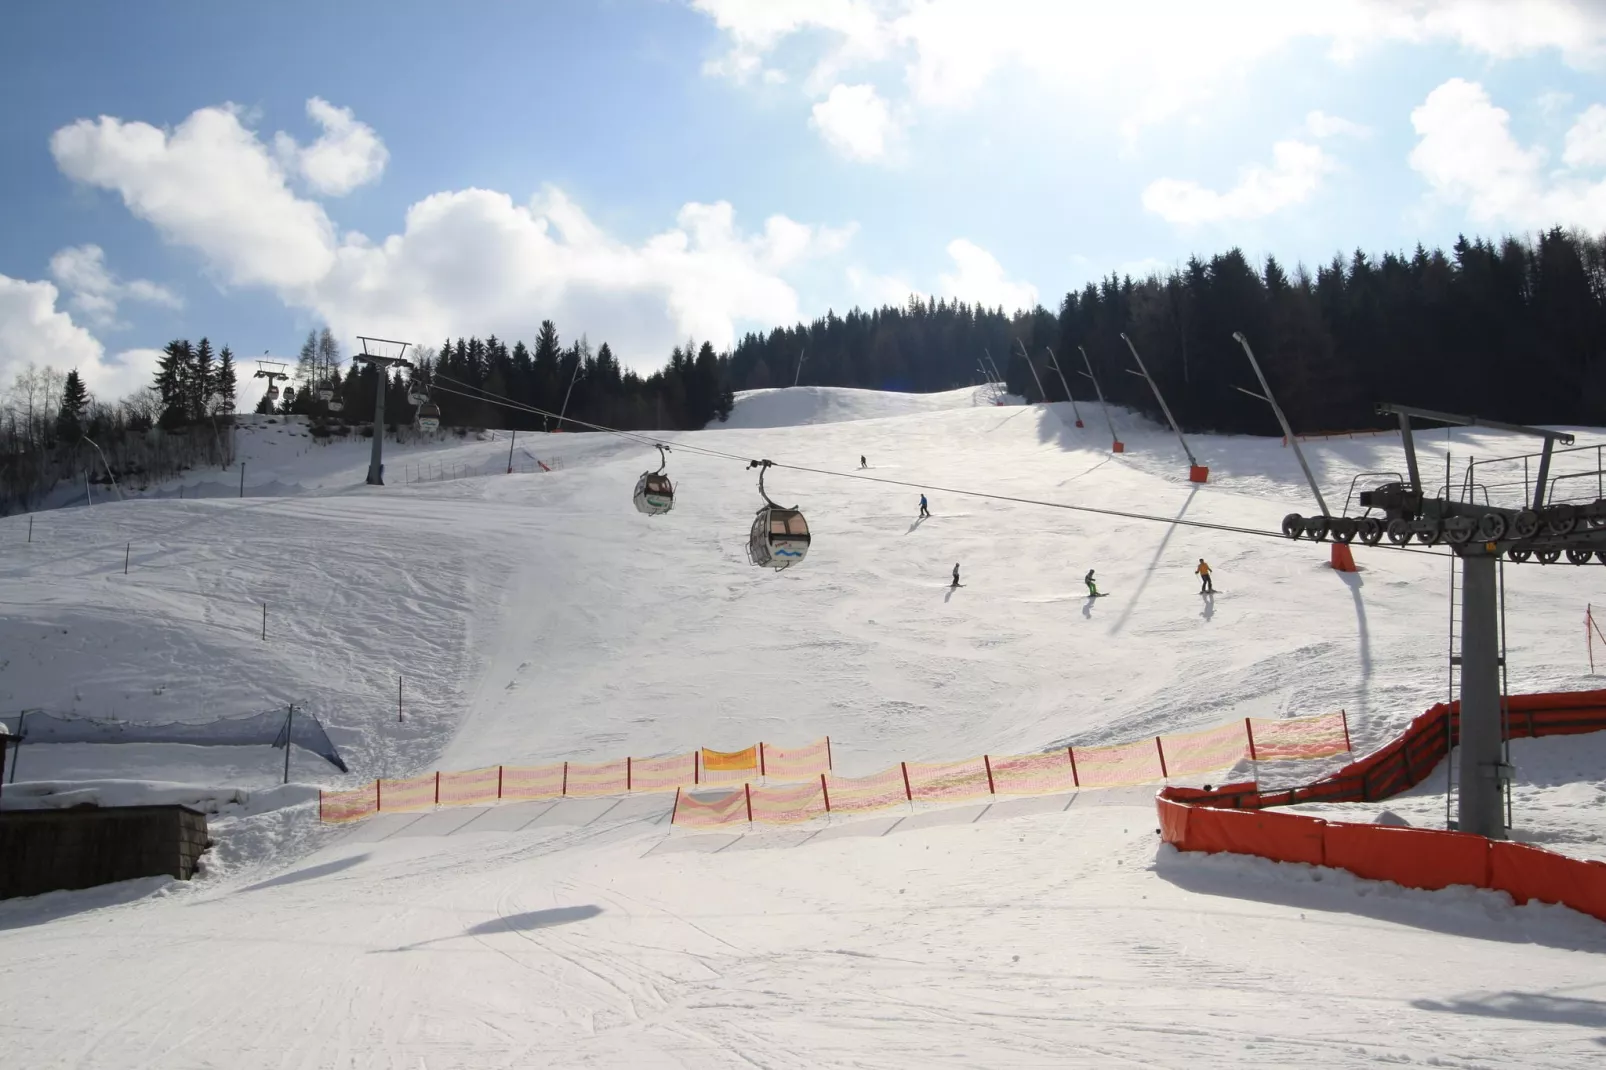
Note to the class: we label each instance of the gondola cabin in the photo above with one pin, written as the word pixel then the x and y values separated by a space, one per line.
pixel 655 495
pixel 429 416
pixel 780 538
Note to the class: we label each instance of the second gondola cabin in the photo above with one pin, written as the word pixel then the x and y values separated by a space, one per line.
pixel 780 536
pixel 655 494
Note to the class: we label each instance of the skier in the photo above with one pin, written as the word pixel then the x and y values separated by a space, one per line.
pixel 1205 586
pixel 956 574
pixel 862 462
pixel 925 511
pixel 1092 588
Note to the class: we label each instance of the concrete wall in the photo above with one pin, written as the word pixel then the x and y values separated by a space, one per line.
pixel 49 850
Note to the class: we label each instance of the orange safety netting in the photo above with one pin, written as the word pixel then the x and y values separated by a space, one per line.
pixel 1321 736
pixel 596 778
pixel 1118 766
pixel 855 795
pixel 475 787
pixel 663 774
pixel 795 763
pixel 792 802
pixel 414 793
pixel 525 782
pixel 1032 774
pixel 708 811
pixel 334 806
pixel 730 765
pixel 1208 751
pixel 948 781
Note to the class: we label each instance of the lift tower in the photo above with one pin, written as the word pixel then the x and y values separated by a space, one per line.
pixel 382 365
pixel 1537 522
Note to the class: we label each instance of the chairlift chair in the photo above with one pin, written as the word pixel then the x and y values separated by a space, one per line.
pixel 336 406
pixel 780 536
pixel 429 416
pixel 655 494
pixel 273 392
pixel 417 394
pixel 326 393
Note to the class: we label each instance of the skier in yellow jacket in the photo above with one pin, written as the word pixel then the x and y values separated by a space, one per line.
pixel 1205 586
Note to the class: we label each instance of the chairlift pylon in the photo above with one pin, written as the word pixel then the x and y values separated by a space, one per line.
pixel 780 536
pixel 655 494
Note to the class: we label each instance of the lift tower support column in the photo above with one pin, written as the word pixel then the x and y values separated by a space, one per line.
pixel 381 366
pixel 1483 769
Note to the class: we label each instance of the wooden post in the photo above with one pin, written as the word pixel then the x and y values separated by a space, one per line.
pixel 437 787
pixel 749 789
pixel 565 778
pixel 320 806
pixel 398 698
pixel 126 548
pixel 242 479
pixel 988 762
pixel 264 622
pixel 1249 731
pixel 30 539
pixel 826 792
pixel 828 764
pixel 1076 781
pixel 907 793
pixel 676 810
pixel 628 773
pixel 696 765
pixel 1161 749
pixel 761 758
pixel 499 782
pixel 379 795
pixel 1347 746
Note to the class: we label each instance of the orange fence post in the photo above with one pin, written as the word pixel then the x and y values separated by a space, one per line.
pixel 565 790
pixel 437 787
pixel 1076 781
pixel 676 810
pixel 988 762
pixel 828 764
pixel 628 773
pixel 749 789
pixel 1347 746
pixel 1250 732
pixel 826 792
pixel 761 758
pixel 499 782
pixel 1163 774
pixel 906 792
pixel 379 797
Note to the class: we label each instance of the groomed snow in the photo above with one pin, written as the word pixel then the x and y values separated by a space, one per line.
pixel 536 617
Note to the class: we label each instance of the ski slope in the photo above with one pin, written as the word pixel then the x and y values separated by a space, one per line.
pixel 539 617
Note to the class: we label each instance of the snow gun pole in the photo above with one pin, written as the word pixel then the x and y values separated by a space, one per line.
pixel 1282 420
pixel 512 436
pixel 1115 440
pixel 1053 362
pixel 1041 393
pixel 1197 473
pixel 289 723
pixel 801 357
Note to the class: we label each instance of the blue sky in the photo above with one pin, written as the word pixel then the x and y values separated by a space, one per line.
pixel 642 171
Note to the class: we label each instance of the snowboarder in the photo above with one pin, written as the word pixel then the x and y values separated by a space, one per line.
pixel 862 462
pixel 956 574
pixel 925 511
pixel 1205 586
pixel 1092 588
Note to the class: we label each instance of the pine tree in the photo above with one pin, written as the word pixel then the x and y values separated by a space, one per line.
pixel 198 401
pixel 172 382
pixel 74 402
pixel 223 392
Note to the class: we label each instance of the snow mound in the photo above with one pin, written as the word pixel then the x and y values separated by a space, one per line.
pixel 801 405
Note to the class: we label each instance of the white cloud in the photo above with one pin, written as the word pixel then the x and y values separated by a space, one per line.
pixel 1163 54
pixel 874 291
pixel 855 121
pixel 978 278
pixel 1466 153
pixel 209 185
pixel 348 154
pixel 1295 174
pixel 33 331
pixel 465 261
pixel 81 271
pixel 1321 125
pixel 1586 141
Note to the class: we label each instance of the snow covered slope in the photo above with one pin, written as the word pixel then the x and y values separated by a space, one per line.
pixel 539 616
pixel 803 405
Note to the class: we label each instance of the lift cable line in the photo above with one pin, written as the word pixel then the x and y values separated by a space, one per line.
pixel 685 447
